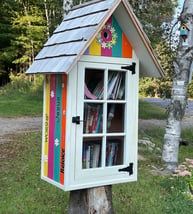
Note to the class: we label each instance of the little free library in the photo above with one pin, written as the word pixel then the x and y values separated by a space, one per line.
pixel 92 64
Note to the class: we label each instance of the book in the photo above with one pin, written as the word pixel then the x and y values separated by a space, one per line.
pixel 91 154
pixel 92 116
pixel 115 87
pixel 112 150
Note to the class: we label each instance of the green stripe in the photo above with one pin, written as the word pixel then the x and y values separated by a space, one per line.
pixel 57 141
pixel 117 48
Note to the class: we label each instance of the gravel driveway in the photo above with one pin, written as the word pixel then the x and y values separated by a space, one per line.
pixel 25 124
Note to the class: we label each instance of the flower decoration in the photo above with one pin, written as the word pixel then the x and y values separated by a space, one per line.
pixel 184 174
pixel 107 36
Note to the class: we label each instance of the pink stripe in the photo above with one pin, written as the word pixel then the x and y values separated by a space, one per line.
pixel 51 127
pixel 107 51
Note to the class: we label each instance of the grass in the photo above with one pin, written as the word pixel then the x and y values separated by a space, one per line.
pixel 150 111
pixel 28 104
pixel 22 190
pixel 20 104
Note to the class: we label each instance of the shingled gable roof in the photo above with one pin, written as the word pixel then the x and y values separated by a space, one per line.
pixel 78 29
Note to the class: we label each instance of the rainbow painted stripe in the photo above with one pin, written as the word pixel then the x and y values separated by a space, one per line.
pixel 54 127
pixel 111 41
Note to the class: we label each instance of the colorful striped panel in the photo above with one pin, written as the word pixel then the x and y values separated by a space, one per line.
pixel 46 125
pixel 127 49
pixel 57 139
pixel 95 48
pixel 117 48
pixel 52 126
pixel 111 41
pixel 55 127
pixel 63 128
pixel 106 51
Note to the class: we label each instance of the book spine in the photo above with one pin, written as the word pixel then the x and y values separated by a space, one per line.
pixel 51 126
pixel 46 125
pixel 63 128
pixel 57 140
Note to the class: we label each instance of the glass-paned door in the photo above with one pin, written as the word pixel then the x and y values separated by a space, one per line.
pixel 103 110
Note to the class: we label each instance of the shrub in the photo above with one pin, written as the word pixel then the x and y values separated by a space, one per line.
pixel 22 83
pixel 184 176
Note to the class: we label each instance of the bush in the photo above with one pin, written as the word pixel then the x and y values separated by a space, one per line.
pixel 190 90
pixel 155 87
pixel 23 84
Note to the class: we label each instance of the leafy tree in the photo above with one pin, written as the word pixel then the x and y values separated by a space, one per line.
pixel 24 27
pixel 6 35
pixel 152 15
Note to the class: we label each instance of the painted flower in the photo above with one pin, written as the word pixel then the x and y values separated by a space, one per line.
pixel 107 36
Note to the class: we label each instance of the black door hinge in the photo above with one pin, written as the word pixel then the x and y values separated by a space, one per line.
pixel 130 67
pixel 128 169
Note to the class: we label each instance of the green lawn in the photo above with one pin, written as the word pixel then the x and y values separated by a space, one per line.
pixel 19 104
pixel 22 190
pixel 23 104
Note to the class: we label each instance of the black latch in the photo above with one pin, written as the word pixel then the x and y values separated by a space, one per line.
pixel 128 169
pixel 76 119
pixel 130 67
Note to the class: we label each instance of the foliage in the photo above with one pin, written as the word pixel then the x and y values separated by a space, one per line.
pixel 155 87
pixel 152 14
pixel 24 27
pixel 21 97
pixel 190 90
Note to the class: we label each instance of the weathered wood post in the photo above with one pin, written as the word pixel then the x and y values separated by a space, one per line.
pixel 93 200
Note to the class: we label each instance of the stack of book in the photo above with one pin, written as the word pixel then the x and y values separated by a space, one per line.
pixel 115 87
pixel 93 117
pixel 111 153
pixel 91 156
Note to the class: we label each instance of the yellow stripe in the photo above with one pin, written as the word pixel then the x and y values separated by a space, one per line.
pixel 95 48
pixel 46 124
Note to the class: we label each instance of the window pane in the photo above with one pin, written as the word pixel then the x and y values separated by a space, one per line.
pixel 93 118
pixel 114 151
pixel 91 154
pixel 115 117
pixel 116 85
pixel 94 84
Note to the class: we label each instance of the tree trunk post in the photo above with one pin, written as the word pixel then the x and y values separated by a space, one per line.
pixel 182 65
pixel 96 200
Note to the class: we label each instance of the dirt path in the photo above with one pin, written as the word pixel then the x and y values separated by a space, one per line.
pixel 18 125
pixel 10 126
pixel 144 124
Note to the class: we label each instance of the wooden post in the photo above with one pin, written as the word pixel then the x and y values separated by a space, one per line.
pixel 96 200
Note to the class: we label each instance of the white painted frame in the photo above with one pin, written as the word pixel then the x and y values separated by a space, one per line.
pixel 75 176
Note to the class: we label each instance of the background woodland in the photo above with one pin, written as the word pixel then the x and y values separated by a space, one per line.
pixel 25 25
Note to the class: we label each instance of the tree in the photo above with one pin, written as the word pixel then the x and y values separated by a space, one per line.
pixel 24 27
pixel 182 65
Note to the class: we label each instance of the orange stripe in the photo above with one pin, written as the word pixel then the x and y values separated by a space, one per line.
pixel 63 128
pixel 126 49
